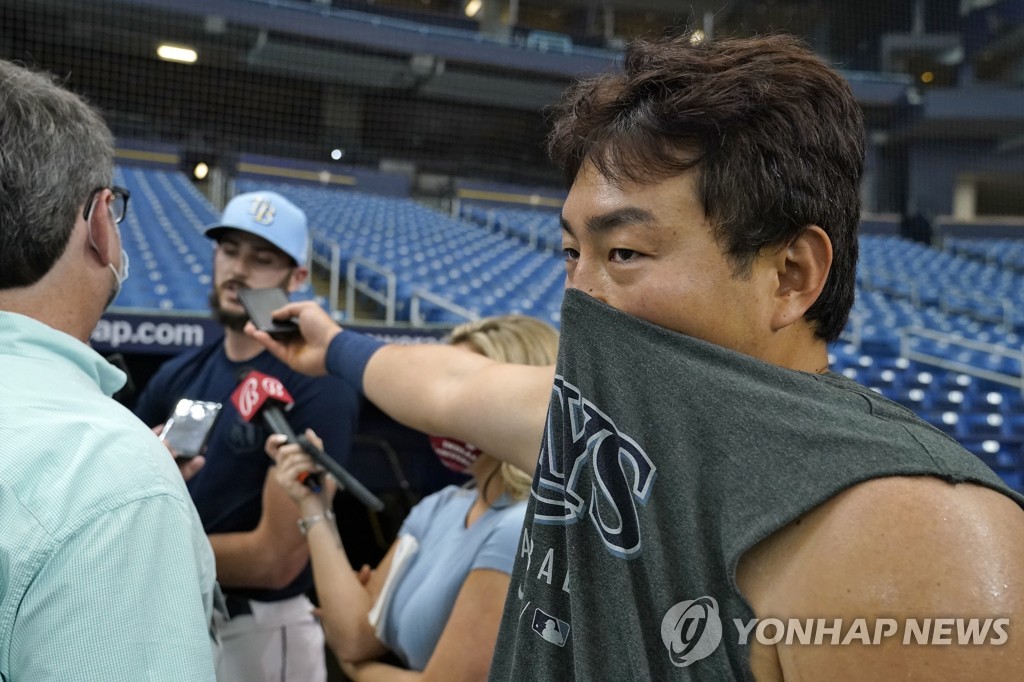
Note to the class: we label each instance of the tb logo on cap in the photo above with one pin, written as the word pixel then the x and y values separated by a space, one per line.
pixel 262 211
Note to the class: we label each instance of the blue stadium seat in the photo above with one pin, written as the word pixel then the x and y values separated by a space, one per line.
pixel 980 426
pixel 429 250
pixel 162 234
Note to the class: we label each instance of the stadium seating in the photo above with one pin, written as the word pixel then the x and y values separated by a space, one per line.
pixel 171 258
pixel 1003 252
pixel 536 228
pixel 162 232
pixel 429 251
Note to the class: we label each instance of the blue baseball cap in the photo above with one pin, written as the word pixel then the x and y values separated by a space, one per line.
pixel 268 215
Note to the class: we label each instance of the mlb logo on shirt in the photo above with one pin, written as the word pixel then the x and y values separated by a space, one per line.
pixel 550 628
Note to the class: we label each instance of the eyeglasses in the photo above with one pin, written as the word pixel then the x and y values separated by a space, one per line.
pixel 118 207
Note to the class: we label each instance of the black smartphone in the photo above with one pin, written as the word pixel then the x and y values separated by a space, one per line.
pixel 188 426
pixel 259 303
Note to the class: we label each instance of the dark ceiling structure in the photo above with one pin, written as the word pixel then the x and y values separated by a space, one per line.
pixel 418 80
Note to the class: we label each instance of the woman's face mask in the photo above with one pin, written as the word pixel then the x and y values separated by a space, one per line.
pixel 455 454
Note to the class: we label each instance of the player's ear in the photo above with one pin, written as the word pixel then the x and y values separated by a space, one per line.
pixel 802 269
pixel 298 278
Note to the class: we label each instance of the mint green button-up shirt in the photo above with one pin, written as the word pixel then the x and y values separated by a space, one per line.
pixel 105 571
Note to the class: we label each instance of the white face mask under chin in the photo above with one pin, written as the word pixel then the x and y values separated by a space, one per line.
pixel 119 277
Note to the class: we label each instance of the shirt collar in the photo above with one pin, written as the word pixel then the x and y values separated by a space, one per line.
pixel 26 337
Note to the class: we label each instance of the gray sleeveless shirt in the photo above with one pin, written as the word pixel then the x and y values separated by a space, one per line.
pixel 665 459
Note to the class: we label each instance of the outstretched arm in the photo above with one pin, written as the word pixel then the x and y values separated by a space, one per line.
pixel 345 600
pixel 271 555
pixel 499 407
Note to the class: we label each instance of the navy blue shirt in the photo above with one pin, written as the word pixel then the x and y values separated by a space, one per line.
pixel 228 490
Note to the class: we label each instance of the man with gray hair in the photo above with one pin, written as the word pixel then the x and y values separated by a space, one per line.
pixel 106 571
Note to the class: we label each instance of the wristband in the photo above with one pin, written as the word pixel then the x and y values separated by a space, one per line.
pixel 307 522
pixel 348 354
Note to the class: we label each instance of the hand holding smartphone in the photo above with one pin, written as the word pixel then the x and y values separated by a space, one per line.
pixel 260 303
pixel 188 427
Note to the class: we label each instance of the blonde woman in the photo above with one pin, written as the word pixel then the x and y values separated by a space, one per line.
pixel 435 600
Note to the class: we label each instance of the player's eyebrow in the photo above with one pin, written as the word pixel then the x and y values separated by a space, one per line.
pixel 628 215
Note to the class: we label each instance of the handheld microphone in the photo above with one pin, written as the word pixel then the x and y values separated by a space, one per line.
pixel 263 395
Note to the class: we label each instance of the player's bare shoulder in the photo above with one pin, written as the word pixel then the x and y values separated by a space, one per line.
pixel 908 550
pixel 914 542
pixel 911 525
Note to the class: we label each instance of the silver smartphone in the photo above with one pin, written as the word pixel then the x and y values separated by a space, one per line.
pixel 188 426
